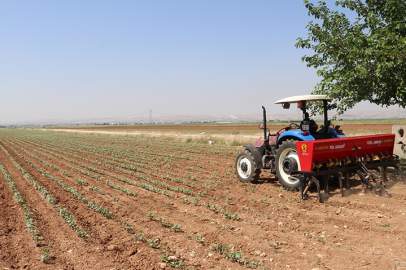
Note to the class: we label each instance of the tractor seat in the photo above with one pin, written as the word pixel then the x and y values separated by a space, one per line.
pixel 319 135
pixel 273 136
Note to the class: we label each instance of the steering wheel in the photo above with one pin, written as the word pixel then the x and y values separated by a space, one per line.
pixel 294 126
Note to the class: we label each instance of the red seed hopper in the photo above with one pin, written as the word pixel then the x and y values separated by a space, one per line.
pixel 334 152
pixel 367 156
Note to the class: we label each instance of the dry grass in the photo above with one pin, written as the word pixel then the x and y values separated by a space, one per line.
pixel 227 139
pixel 236 138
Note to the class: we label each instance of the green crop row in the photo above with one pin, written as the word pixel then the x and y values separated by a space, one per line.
pixel 62 211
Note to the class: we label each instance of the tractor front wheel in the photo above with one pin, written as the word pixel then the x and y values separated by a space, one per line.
pixel 245 167
pixel 287 164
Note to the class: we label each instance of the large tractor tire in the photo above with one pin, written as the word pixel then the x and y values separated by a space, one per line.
pixel 287 164
pixel 245 167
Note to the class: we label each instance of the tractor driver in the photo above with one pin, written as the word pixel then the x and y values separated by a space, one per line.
pixel 312 128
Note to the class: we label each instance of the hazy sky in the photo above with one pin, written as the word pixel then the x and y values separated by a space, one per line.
pixel 90 59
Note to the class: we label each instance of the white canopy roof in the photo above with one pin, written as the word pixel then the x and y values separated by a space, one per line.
pixel 295 99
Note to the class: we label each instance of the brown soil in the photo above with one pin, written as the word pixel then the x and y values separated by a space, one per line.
pixel 275 229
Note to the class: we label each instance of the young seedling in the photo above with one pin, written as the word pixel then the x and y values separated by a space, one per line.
pixel 320 239
pixel 153 243
pixel 175 227
pixel 199 239
pixel 45 255
pixel 128 228
pixel 235 256
pixel 139 237
pixel 196 201
pixel 223 250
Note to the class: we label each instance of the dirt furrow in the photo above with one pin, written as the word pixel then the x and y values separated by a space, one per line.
pixel 16 244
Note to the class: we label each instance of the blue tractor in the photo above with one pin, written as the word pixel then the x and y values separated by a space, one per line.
pixel 277 152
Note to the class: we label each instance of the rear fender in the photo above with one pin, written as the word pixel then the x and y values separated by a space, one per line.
pixel 257 153
pixel 337 134
pixel 295 135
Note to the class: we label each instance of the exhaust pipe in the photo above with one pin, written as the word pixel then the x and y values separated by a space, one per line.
pixel 266 141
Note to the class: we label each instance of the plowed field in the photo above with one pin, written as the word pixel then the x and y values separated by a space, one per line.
pixel 92 201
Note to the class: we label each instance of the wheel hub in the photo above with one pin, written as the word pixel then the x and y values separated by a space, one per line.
pixel 244 167
pixel 289 165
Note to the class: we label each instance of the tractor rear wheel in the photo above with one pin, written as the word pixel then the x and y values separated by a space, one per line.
pixel 245 167
pixel 287 164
